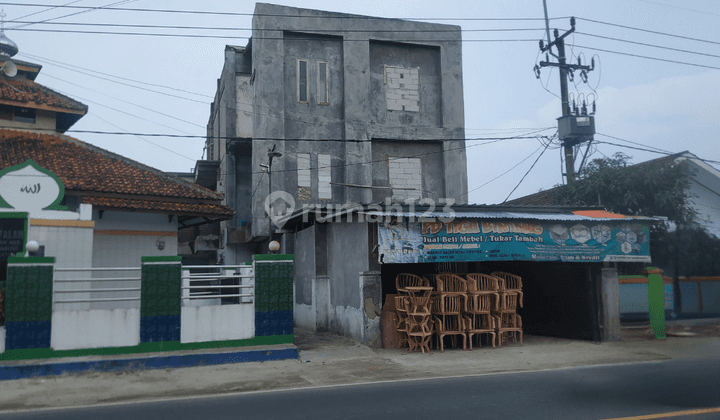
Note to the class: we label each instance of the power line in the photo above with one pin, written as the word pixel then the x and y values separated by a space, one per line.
pixel 196 12
pixel 46 10
pixel 650 58
pixel 653 151
pixel 75 68
pixel 167 35
pixel 124 133
pixel 128 102
pixel 87 10
pixel 649 31
pixel 526 173
pixel 648 45
pixel 319 30
pixel 516 165
pixel 146 140
pixel 632 142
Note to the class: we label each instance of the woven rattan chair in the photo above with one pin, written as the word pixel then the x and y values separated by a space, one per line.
pixel 508 323
pixel 478 324
pixel 404 280
pixel 452 325
pixel 419 332
pixel 450 283
pixel 432 280
pixel 478 282
pixel 509 283
pixel 508 302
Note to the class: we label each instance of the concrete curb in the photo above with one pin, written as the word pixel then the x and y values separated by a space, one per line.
pixel 37 368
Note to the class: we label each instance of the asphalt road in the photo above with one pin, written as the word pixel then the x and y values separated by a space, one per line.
pixel 601 392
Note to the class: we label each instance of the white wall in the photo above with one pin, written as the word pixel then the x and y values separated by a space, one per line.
pixel 95 329
pixel 707 204
pixel 215 323
pixel 72 248
pixel 121 239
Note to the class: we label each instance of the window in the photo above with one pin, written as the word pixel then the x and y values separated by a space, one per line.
pixel 17 113
pixel 302 81
pixel 324 177
pixel 26 115
pixel 303 173
pixel 322 85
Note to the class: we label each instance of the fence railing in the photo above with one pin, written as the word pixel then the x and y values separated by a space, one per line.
pixel 90 279
pixel 217 285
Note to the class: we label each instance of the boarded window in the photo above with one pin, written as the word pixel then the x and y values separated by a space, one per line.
pixel 405 178
pixel 302 81
pixel 323 83
pixel 324 177
pixel 303 173
pixel 402 89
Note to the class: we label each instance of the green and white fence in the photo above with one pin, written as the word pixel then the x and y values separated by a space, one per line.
pixel 159 306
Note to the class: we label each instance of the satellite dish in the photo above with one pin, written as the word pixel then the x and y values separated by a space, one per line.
pixel 9 69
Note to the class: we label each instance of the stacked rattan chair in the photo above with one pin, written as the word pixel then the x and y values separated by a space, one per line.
pixel 413 309
pixel 448 307
pixel 508 322
pixel 482 298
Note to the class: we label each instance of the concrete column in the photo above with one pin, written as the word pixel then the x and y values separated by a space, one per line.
pixel 321 302
pixel 610 294
pixel 371 292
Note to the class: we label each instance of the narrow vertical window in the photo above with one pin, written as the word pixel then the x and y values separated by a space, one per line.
pixel 322 85
pixel 304 180
pixel 324 177
pixel 302 81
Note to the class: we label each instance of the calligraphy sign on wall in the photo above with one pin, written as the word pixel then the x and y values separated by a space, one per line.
pixel 514 240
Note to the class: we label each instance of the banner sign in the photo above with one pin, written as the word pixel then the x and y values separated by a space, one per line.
pixel 516 240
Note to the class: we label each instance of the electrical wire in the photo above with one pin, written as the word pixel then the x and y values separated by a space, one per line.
pixel 127 102
pixel 516 165
pixel 526 174
pixel 654 151
pixel 247 38
pixel 87 10
pixel 234 29
pixel 649 45
pixel 632 142
pixel 648 31
pixel 45 10
pixel 650 58
pixel 195 12
pixel 75 69
pixel 145 140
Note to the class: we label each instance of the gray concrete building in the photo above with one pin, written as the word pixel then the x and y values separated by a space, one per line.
pixel 356 110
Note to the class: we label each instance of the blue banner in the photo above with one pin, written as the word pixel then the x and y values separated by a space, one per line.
pixel 515 240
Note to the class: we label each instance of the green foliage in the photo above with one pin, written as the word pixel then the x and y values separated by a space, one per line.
pixel 646 189
pixel 649 189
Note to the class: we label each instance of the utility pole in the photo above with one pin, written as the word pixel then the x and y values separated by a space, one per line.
pixel 574 126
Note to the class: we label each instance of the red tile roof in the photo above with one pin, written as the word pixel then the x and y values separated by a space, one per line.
pixel 108 180
pixel 33 95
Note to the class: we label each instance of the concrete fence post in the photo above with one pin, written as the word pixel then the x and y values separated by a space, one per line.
pixel 29 305
pixel 273 294
pixel 160 302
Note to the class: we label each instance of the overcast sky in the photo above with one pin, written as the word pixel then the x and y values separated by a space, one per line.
pixel 163 84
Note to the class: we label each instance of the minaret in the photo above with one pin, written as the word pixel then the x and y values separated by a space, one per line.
pixel 7 47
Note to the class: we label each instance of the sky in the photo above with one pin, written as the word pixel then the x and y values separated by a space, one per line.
pixel 152 81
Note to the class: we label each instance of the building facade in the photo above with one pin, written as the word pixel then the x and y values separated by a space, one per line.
pixel 353 109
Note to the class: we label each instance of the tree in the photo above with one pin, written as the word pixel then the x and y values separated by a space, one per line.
pixel 653 188
pixel 648 189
